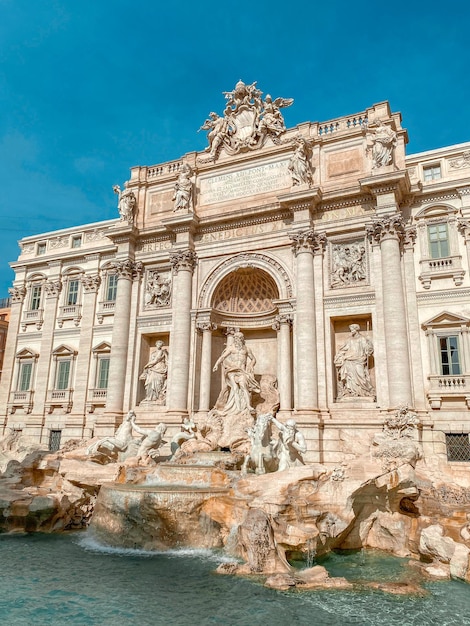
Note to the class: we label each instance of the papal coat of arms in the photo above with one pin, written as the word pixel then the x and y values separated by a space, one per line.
pixel 247 122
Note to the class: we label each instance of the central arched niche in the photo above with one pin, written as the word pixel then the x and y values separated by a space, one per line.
pixel 246 299
pixel 245 291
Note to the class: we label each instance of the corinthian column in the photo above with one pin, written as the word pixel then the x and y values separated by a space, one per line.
pixel 283 325
pixel 389 232
pixel 183 263
pixel 305 244
pixel 206 329
pixel 127 271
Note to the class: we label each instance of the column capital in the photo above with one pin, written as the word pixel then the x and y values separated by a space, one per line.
pixel 17 294
pixel 53 288
pixel 307 241
pixel 204 326
pixel 409 238
pixel 127 269
pixel 284 318
pixel 90 282
pixel 183 260
pixel 389 227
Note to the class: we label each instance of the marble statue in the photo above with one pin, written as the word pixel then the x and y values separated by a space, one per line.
pixel 218 130
pixel 157 289
pixel 110 447
pixel 290 445
pixel 155 375
pixel 351 361
pixel 247 122
pixel 238 380
pixel 153 439
pixel 300 166
pixel 126 204
pixel 183 190
pixel 381 143
pixel 188 431
pixel 348 264
pixel 261 455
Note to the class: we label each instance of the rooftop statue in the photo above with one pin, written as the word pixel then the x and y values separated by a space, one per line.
pixel 126 204
pixel 183 190
pixel 381 143
pixel 300 166
pixel 248 121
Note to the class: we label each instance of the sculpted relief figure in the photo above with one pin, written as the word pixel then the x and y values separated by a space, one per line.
pixel 351 361
pixel 183 190
pixel 348 264
pixel 126 204
pixel 300 166
pixel 381 144
pixel 238 380
pixel 157 290
pixel 155 375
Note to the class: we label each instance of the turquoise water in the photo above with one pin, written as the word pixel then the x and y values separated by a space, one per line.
pixel 51 580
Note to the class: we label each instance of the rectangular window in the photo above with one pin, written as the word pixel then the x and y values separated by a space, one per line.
pixel 72 292
pixel 438 241
pixel 63 373
pixel 41 248
pixel 103 373
pixel 458 447
pixel 111 288
pixel 35 297
pixel 54 440
pixel 449 351
pixel 432 173
pixel 25 377
pixel 76 241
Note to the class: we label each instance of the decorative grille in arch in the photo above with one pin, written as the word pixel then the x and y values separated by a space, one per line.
pixel 245 291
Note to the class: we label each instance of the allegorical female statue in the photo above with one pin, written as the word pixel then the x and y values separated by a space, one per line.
pixel 352 363
pixel 155 375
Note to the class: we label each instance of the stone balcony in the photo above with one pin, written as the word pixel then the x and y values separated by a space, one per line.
pixel 69 312
pixel 35 317
pixel 446 387
pixel 59 398
pixel 96 398
pixel 446 267
pixel 21 400
pixel 104 309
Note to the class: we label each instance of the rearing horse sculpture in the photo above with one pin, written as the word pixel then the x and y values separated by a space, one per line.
pixel 261 456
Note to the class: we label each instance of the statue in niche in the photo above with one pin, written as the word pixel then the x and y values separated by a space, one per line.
pixel 183 190
pixel 352 361
pixel 152 440
pixel 126 204
pixel 155 375
pixel 300 166
pixel 290 445
pixel 381 143
pixel 238 380
pixel 157 290
pixel 349 264
pixel 108 448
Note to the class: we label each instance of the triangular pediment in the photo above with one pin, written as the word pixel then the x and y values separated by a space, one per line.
pixel 445 319
pixel 27 353
pixel 64 350
pixel 104 346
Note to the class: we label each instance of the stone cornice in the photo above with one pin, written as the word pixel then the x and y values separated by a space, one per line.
pixel 181 223
pixel 397 182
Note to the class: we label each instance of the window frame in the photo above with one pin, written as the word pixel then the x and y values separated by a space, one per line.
pixel 432 172
pixel 436 250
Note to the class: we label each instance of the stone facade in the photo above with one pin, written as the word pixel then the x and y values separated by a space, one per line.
pixel 292 236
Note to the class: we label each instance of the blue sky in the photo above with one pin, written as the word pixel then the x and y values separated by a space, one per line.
pixel 89 89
